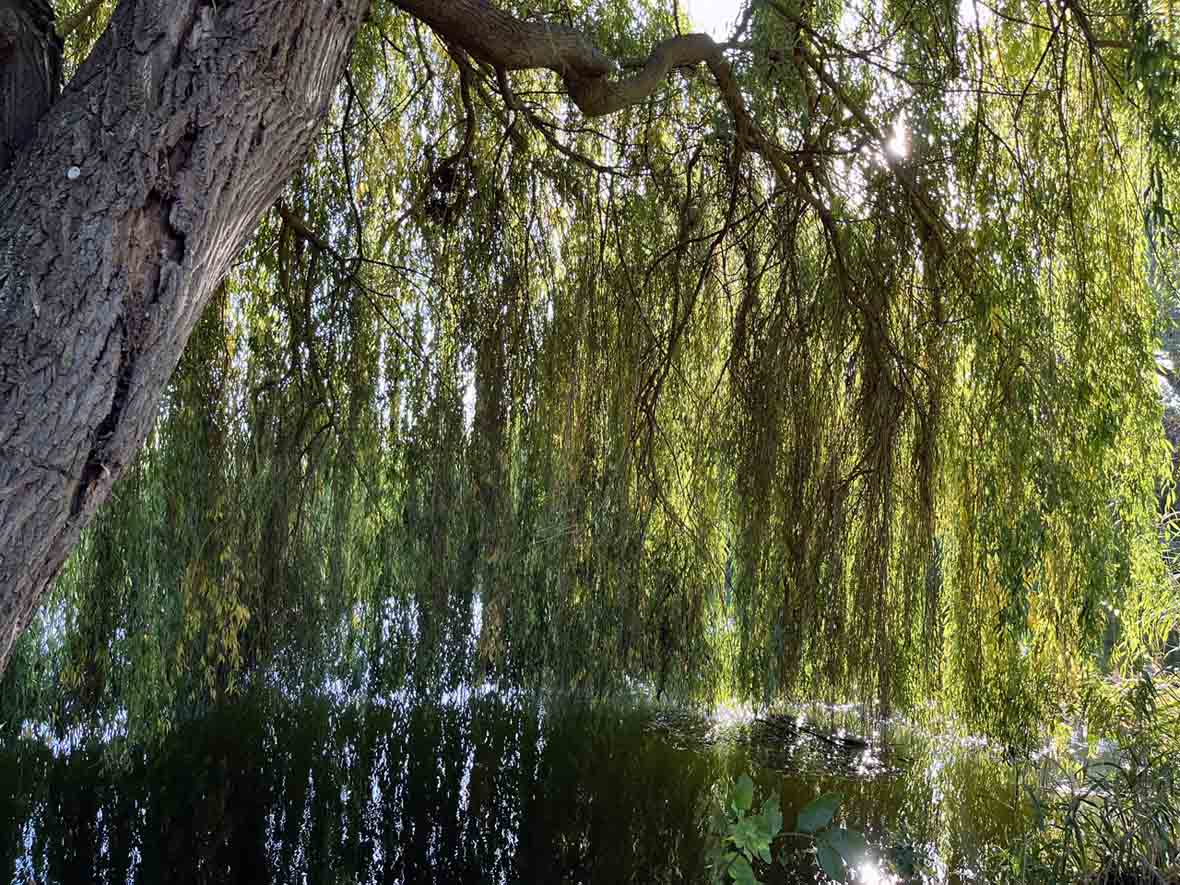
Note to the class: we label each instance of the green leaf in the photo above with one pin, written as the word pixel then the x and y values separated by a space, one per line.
pixel 741 872
pixel 743 793
pixel 818 813
pixel 850 844
pixel 831 862
pixel 750 835
pixel 739 833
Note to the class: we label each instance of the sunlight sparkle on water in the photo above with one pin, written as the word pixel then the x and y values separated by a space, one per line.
pixel 726 715
pixel 869 873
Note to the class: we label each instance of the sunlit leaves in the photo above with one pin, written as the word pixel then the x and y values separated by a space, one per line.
pixel 884 431
pixel 740 838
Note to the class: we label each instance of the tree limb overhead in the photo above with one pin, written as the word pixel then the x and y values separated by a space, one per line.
pixel 494 37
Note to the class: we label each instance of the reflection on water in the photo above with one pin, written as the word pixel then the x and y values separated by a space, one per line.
pixel 480 788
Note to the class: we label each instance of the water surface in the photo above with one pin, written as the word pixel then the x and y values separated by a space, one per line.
pixel 481 787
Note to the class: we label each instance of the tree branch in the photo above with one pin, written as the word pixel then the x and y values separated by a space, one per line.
pixel 497 38
pixel 494 37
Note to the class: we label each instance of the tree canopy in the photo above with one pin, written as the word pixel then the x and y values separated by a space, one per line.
pixel 826 366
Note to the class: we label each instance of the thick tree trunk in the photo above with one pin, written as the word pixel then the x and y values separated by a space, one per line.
pixel 30 71
pixel 117 221
pixel 142 182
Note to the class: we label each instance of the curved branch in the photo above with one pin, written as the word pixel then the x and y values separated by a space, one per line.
pixel 598 96
pixel 510 44
pixel 497 38
pixel 494 37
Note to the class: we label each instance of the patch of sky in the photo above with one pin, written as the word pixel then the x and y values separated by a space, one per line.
pixel 715 17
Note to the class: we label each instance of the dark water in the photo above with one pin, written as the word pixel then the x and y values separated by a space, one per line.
pixel 479 788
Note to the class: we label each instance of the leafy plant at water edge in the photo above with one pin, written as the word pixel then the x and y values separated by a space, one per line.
pixel 835 847
pixel 1116 817
pixel 738 837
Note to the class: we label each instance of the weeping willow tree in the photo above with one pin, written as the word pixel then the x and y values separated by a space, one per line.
pixel 827 369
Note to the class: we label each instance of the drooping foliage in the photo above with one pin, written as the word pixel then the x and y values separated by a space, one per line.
pixel 499 391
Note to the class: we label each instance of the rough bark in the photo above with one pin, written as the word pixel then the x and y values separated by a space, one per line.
pixel 117 221
pixel 496 38
pixel 121 216
pixel 30 71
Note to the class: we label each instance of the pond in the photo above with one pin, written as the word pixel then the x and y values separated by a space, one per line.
pixel 481 787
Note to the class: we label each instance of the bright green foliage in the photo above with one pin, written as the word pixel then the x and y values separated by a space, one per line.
pixel 567 401
pixel 1114 814
pixel 738 839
